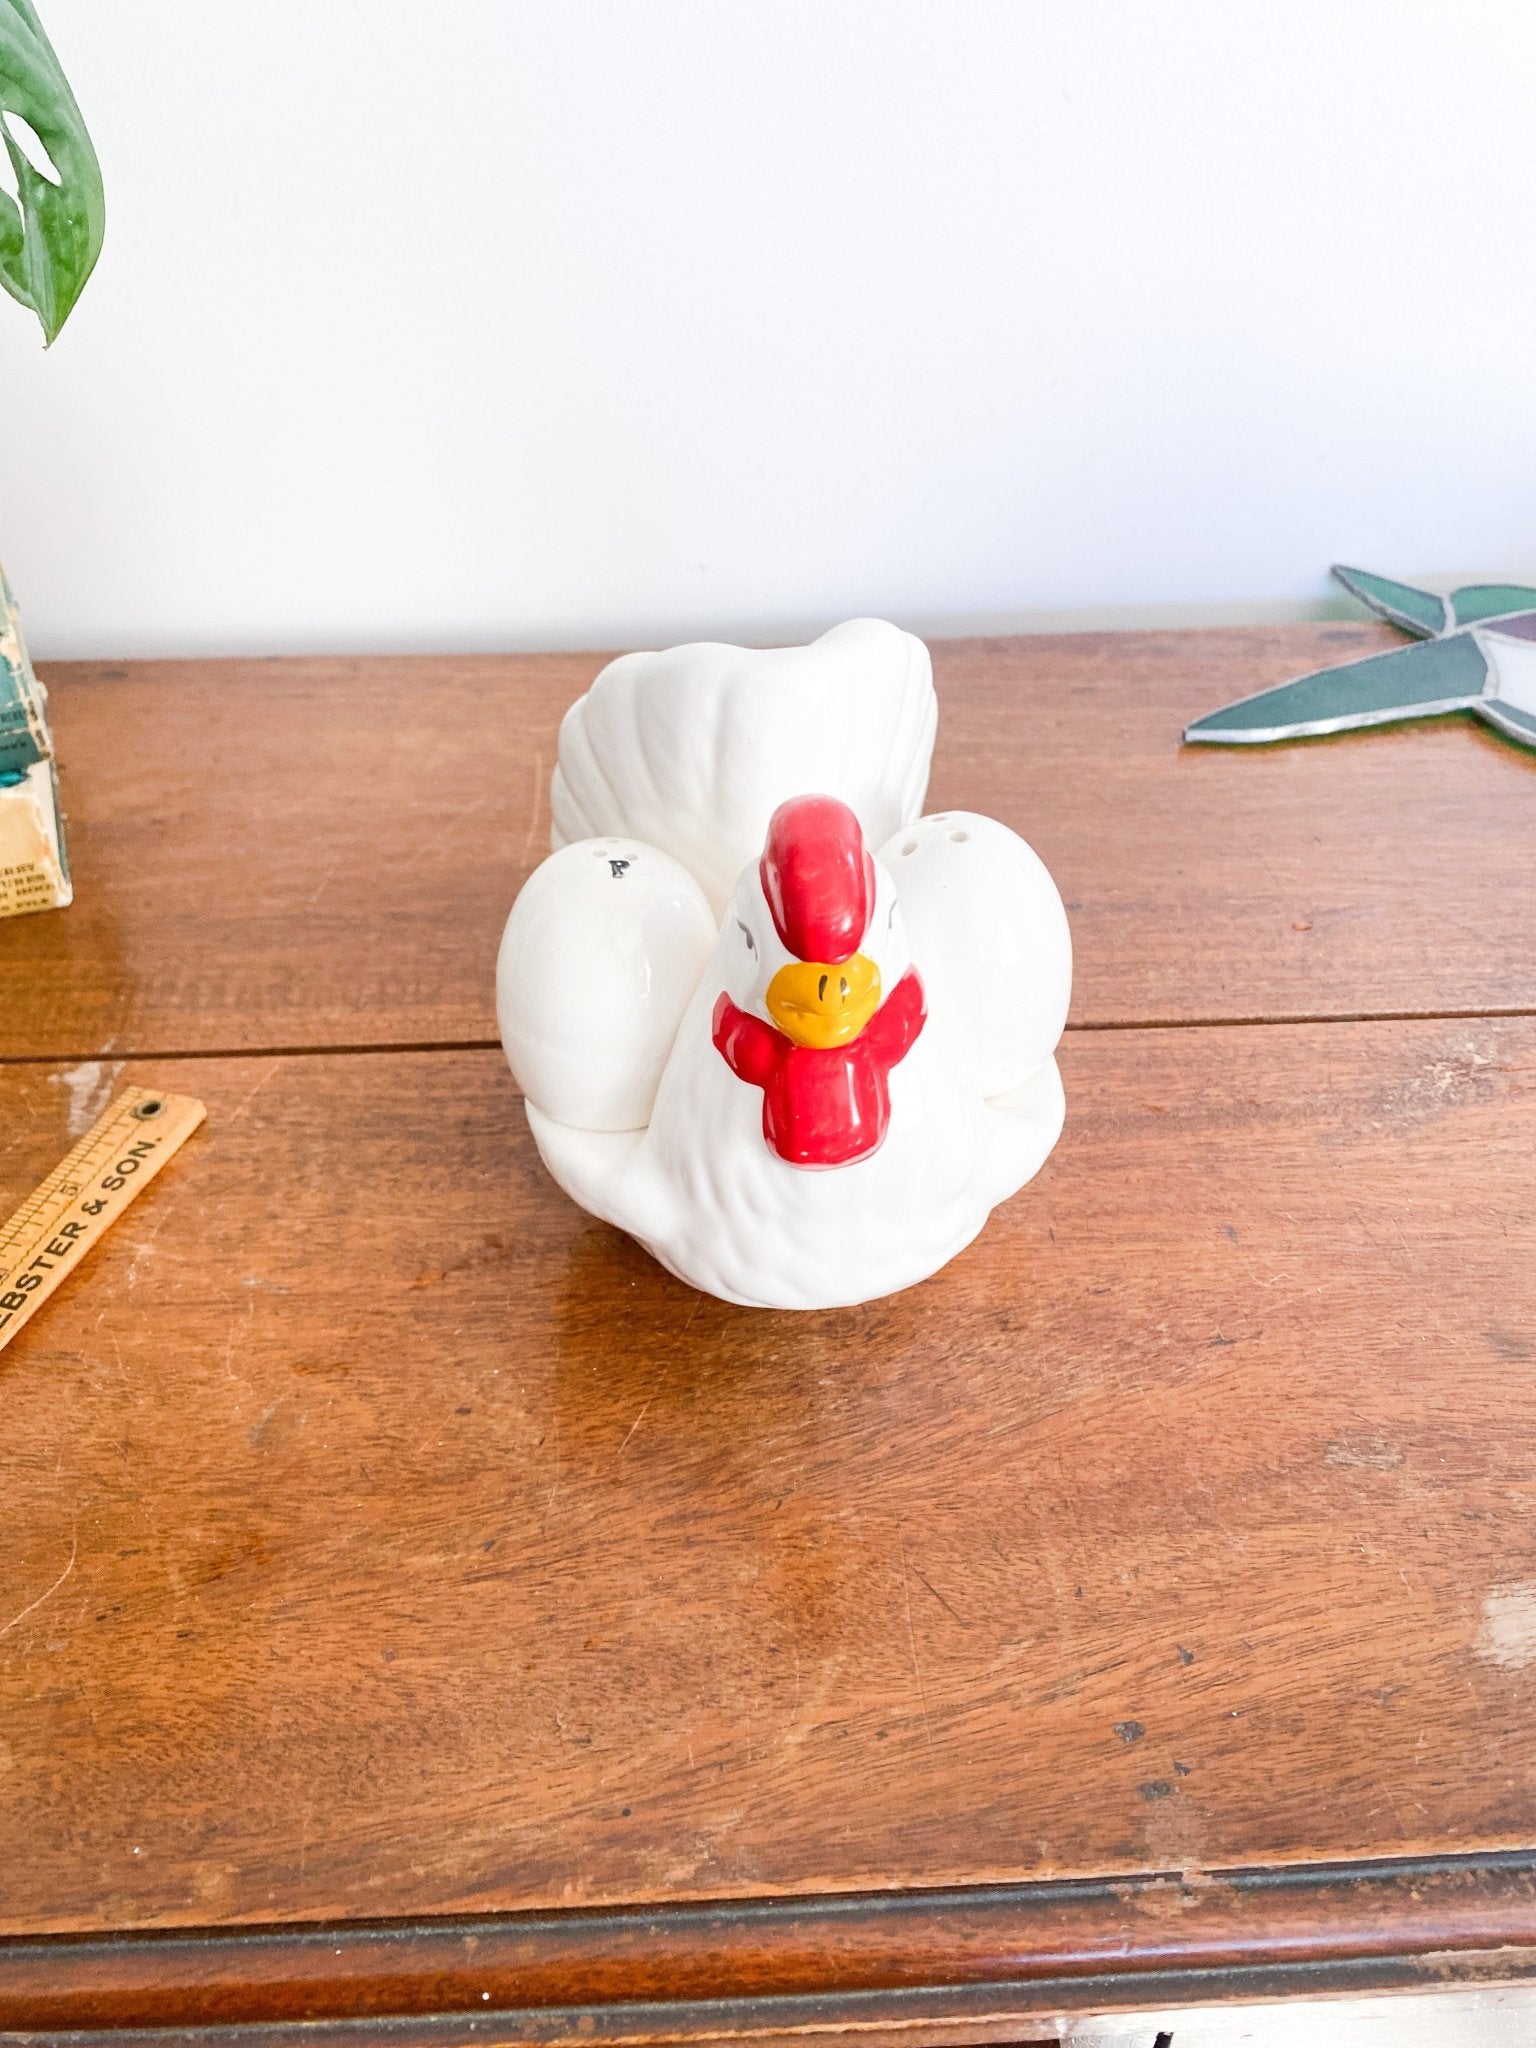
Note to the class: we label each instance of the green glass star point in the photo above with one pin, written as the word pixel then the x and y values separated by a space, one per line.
pixel 1473 651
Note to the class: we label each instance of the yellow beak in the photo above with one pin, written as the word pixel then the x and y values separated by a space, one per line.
pixel 823 1006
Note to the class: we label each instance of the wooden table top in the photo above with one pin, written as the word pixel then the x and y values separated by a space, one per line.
pixel 395 1561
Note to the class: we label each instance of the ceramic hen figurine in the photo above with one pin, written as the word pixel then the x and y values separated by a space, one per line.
pixel 794 1038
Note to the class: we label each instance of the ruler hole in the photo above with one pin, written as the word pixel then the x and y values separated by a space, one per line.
pixel 144 1110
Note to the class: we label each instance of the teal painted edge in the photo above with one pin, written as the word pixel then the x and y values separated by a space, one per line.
pixel 1416 611
pixel 1491 601
pixel 23 731
pixel 20 749
pixel 1406 682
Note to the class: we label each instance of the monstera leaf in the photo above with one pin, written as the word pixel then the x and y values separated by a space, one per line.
pixel 50 241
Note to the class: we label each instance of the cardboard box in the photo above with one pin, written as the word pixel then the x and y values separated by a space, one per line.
pixel 34 869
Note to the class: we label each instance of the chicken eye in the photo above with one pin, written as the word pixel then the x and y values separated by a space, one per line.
pixel 751 942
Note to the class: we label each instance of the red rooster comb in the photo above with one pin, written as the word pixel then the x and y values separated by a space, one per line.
pixel 818 878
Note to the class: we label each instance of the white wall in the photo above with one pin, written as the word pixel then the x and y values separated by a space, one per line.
pixel 501 323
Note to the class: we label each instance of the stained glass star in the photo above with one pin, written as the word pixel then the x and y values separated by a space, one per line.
pixel 1473 651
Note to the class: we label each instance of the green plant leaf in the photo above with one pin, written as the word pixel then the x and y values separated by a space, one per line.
pixel 50 241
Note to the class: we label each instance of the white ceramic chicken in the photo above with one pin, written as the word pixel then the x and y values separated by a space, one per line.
pixel 800 1072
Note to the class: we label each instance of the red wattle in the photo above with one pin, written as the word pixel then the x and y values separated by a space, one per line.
pixel 824 1107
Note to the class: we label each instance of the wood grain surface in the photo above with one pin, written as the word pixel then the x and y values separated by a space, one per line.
pixel 419 1614
pixel 318 853
pixel 384 1537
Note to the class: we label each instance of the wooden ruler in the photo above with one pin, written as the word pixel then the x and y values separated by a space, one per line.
pixel 85 1194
